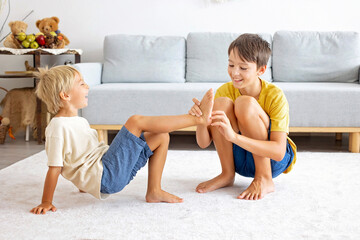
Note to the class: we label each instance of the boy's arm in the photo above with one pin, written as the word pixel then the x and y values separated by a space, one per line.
pixel 274 149
pixel 203 136
pixel 49 189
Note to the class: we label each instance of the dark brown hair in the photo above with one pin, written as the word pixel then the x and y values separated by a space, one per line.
pixel 251 48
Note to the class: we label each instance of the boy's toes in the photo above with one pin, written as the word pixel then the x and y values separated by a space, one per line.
pixel 201 188
pixel 242 195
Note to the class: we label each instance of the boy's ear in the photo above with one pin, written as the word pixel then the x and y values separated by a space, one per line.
pixel 261 70
pixel 64 96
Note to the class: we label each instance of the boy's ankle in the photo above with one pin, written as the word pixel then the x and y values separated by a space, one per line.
pixel 200 121
pixel 228 174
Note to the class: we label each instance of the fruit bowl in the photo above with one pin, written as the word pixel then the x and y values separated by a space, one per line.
pixel 40 40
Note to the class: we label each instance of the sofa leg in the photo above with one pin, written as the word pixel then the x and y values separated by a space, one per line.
pixel 103 135
pixel 354 142
pixel 338 136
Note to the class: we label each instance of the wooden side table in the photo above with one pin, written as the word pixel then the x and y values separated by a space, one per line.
pixel 37 53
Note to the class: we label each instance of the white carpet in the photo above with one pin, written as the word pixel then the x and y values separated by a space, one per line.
pixel 319 199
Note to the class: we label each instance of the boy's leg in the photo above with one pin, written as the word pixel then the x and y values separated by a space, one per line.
pixel 254 123
pixel 223 148
pixel 156 129
pixel 163 124
pixel 158 143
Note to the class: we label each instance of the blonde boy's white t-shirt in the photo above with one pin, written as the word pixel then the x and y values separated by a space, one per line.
pixel 74 146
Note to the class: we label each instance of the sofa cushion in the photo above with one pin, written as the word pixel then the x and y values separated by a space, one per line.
pixel 207 57
pixel 316 56
pixel 323 104
pixel 335 105
pixel 129 58
pixel 114 103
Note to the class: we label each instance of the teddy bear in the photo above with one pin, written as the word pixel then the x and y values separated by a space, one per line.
pixel 16 28
pixel 48 25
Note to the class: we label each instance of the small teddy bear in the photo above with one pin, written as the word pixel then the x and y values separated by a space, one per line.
pixel 16 28
pixel 29 68
pixel 48 25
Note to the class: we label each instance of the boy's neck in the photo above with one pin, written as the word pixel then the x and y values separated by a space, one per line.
pixel 67 112
pixel 253 91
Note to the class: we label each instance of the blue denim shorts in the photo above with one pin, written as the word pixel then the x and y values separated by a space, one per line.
pixel 125 156
pixel 245 166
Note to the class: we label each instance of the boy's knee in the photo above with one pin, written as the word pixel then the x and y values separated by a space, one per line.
pixel 245 108
pixel 165 138
pixel 223 103
pixel 133 121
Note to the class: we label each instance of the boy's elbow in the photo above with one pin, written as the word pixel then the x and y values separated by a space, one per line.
pixel 280 156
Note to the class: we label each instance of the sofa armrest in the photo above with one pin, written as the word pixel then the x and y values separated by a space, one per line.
pixel 91 72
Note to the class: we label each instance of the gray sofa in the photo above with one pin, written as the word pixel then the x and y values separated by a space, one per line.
pixel 318 72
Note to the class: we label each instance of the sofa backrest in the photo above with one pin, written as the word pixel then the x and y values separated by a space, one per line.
pixel 142 59
pixel 207 56
pixel 316 56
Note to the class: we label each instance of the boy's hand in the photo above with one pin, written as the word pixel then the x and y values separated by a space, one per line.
pixel 195 110
pixel 223 125
pixel 43 208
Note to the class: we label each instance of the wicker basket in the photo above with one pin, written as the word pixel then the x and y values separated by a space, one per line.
pixel 3 132
pixel 3 129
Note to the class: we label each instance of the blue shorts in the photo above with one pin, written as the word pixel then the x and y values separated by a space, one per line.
pixel 245 166
pixel 126 155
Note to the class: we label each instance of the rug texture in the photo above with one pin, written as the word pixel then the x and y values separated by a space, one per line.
pixel 319 199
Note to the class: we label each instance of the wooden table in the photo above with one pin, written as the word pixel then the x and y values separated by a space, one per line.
pixel 37 53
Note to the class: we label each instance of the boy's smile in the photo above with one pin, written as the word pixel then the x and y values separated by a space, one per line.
pixel 79 93
pixel 244 75
pixel 75 99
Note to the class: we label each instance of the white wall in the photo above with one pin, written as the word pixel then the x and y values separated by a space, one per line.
pixel 86 22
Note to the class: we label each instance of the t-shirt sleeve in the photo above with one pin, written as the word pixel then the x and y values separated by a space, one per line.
pixel 279 113
pixel 55 151
pixel 226 90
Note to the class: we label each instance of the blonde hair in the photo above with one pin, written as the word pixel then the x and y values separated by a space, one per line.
pixel 52 82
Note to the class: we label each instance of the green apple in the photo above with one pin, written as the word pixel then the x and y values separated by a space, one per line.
pixel 30 38
pixel 21 36
pixel 25 43
pixel 34 45
pixel 53 34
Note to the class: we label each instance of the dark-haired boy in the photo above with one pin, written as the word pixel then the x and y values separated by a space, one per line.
pixel 250 123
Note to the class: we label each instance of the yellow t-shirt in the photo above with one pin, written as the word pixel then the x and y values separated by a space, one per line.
pixel 273 101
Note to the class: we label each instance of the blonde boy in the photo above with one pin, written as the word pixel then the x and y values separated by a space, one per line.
pixel 250 123
pixel 74 151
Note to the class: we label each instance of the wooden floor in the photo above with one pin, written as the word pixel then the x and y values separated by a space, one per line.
pixel 15 150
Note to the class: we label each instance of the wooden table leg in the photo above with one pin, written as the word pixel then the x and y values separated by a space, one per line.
pixel 77 58
pixel 38 103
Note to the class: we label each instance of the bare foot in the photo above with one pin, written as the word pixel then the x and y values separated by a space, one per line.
pixel 258 189
pixel 206 106
pixel 217 182
pixel 161 196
